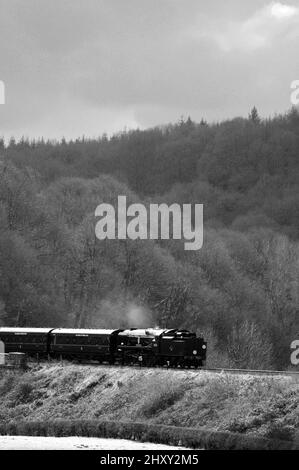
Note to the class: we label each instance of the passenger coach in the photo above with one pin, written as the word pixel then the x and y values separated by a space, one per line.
pixel 94 344
pixel 32 341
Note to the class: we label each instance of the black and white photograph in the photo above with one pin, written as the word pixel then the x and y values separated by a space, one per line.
pixel 149 228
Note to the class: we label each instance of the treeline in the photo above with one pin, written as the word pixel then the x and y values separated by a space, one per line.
pixel 241 289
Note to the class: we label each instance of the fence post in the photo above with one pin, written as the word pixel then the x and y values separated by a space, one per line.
pixel 2 353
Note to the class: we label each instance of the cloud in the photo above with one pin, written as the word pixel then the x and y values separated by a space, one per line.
pixel 279 10
pixel 259 31
pixel 73 67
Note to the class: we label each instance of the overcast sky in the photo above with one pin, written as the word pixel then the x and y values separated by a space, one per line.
pixel 74 67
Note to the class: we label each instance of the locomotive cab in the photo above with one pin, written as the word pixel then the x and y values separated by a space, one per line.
pixel 182 348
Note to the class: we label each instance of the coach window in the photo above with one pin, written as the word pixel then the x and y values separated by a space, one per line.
pixel 132 341
pixel 145 341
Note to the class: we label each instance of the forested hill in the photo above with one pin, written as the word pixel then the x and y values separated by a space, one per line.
pixel 241 289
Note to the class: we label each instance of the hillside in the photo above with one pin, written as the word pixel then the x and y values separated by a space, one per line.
pixel 240 290
pixel 260 406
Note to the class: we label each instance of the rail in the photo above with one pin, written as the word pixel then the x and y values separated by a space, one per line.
pixel 291 373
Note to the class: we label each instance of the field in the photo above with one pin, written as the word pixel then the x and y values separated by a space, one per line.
pixel 252 406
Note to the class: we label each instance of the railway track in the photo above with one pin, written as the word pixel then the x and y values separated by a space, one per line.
pixel 252 371
pixel 215 370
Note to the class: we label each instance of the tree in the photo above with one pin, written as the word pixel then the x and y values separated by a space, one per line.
pixel 171 309
pixel 248 347
pixel 254 116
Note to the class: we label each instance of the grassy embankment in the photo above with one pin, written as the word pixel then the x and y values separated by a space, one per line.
pixel 81 399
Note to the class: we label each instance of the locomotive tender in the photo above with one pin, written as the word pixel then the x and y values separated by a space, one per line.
pixel 149 346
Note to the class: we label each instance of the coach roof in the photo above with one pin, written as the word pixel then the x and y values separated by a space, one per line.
pixel 25 330
pixel 85 331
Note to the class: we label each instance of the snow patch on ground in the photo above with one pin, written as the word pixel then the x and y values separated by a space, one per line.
pixel 76 443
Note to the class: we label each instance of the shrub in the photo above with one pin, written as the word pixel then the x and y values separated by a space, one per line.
pixel 23 392
pixel 160 397
pixel 280 431
pixel 7 384
pixel 219 388
pixel 187 437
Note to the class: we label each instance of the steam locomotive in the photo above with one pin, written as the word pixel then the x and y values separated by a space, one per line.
pixel 148 347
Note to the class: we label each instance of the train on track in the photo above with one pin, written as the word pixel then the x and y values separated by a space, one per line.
pixel 148 347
